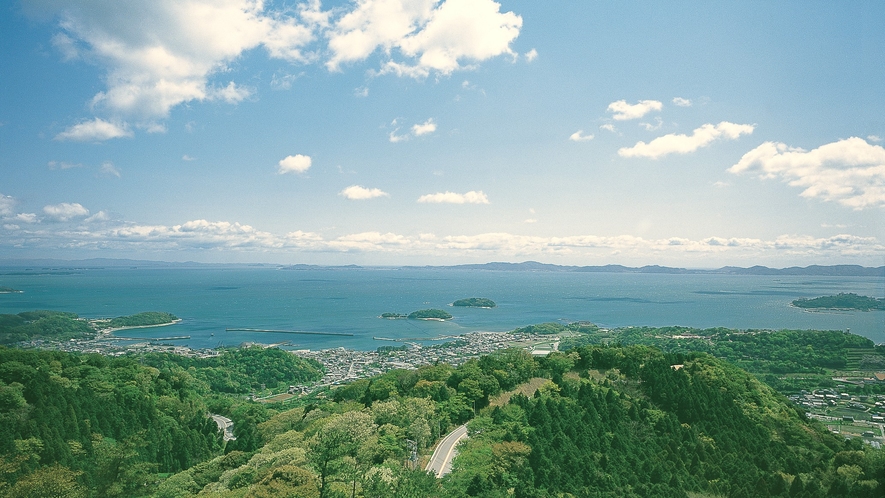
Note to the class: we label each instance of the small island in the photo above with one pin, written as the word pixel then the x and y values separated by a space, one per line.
pixel 842 301
pixel 429 314
pixel 9 290
pixel 475 302
pixel 394 316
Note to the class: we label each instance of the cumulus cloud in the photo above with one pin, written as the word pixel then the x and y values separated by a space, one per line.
pixel 294 164
pixel 579 136
pixel 96 130
pixel 681 102
pixel 424 128
pixel 684 144
pixel 622 111
pixel 158 54
pixel 26 217
pixel 416 130
pixel 850 171
pixel 430 35
pixel 161 53
pixel 531 55
pixel 359 193
pixel 608 127
pixel 65 211
pixel 472 197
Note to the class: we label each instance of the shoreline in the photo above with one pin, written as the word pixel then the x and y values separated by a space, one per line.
pixel 110 331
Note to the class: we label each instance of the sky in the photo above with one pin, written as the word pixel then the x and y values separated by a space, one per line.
pixel 403 132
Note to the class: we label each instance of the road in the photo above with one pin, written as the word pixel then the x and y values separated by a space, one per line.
pixel 224 424
pixel 441 460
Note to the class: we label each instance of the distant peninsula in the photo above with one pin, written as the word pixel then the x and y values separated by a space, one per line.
pixel 475 302
pixel 394 316
pixel 842 301
pixel 9 290
pixel 430 314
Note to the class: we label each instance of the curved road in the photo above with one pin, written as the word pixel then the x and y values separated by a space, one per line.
pixel 224 424
pixel 441 460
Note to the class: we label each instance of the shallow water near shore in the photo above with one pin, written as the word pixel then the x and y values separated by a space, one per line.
pixel 350 301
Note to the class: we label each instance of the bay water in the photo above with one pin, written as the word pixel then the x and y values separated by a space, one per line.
pixel 350 301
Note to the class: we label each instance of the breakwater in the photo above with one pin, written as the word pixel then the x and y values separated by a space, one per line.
pixel 302 332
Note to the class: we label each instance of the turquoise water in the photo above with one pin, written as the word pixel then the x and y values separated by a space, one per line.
pixel 350 301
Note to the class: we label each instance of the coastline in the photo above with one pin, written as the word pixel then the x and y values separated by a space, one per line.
pixel 110 331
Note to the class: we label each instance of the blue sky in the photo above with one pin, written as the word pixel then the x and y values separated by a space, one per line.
pixel 439 132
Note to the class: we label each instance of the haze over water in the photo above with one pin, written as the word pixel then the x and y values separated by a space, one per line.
pixel 350 300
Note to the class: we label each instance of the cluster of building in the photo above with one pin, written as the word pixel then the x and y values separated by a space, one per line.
pixel 344 365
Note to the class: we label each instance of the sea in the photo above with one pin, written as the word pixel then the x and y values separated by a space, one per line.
pixel 349 301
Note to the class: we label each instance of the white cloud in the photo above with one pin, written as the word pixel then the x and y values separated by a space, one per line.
pixel 96 130
pixel 720 184
pixel 579 136
pixel 531 55
pixel 850 172
pixel 188 158
pixel 874 138
pixel 530 220
pixel 7 203
pixel 231 93
pixel 161 53
pixel 431 35
pixel 472 197
pixel 394 138
pixel 358 193
pixel 65 211
pixel 294 164
pixel 652 127
pixel 424 128
pixel 683 144
pixel 624 111
pixel 681 102
pixel 608 127
pixel 361 92
pixel 203 235
pixel 99 216
pixel 108 169
pixel 26 217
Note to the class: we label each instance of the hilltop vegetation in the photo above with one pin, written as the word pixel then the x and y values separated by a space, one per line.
pixel 430 314
pixel 842 301
pixel 42 324
pixel 610 420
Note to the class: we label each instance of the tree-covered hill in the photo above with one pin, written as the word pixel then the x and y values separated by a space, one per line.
pixel 42 324
pixel 241 370
pixel 110 422
pixel 849 301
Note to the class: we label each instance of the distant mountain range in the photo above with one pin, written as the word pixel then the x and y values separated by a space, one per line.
pixel 813 270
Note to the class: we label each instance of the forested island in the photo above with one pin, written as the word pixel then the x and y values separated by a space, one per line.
pixel 430 314
pixel 394 316
pixel 841 301
pixel 475 302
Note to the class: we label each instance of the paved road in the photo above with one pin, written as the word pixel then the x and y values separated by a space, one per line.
pixel 224 424
pixel 441 460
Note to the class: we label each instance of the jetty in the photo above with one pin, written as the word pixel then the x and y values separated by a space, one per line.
pixel 152 339
pixel 302 332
